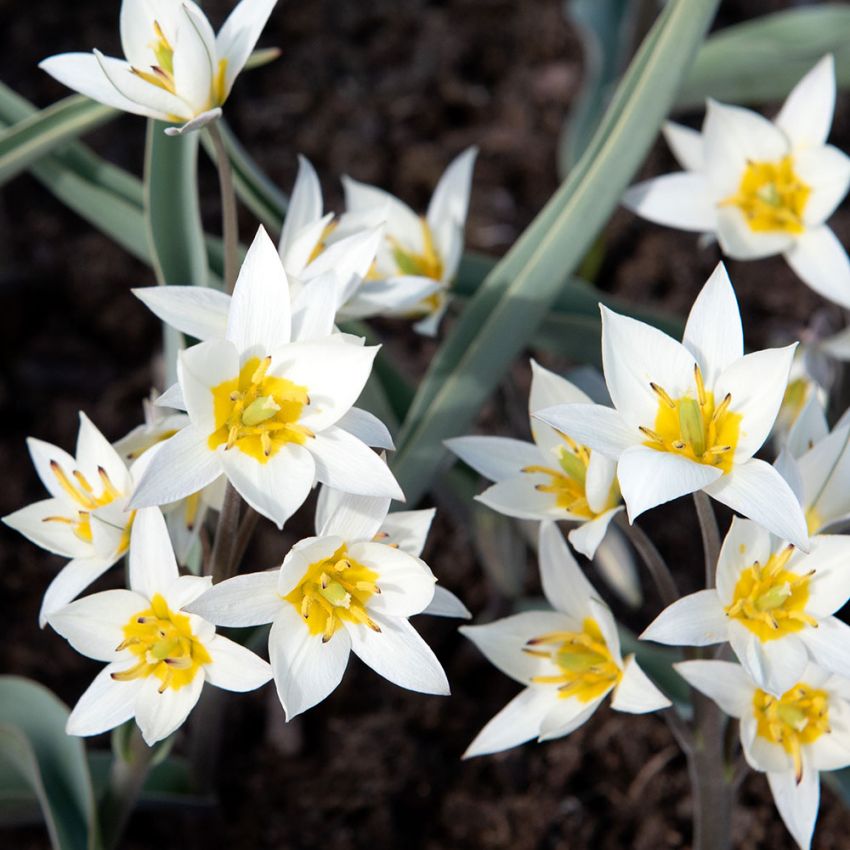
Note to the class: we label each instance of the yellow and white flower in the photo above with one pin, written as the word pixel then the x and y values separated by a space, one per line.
pixel 344 590
pixel 762 187
pixel 158 655
pixel 265 411
pixel 426 248
pixel 86 517
pixel 568 659
pixel 175 68
pixel 555 477
pixel 789 737
pixel 690 416
pixel 774 605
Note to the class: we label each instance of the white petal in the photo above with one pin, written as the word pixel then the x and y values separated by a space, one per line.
pixel 756 490
pixel 193 59
pixel 95 452
pixel 600 428
pixel 276 488
pixel 149 99
pixel 245 600
pixel 367 428
pixel 809 427
pixel 636 694
pixel 757 384
pixel 739 241
pixel 713 333
pixel 825 469
pixel 564 584
pixel 302 245
pixel 197 123
pixel 680 200
pixel 400 655
pixel 821 262
pixel 172 397
pixel 616 563
pixel 35 524
pixel 152 564
pixel 185 590
pixel 181 466
pixel 160 714
pixel 69 582
pixel 496 458
pixel 745 543
pixel 305 204
pixel 519 721
pixel 829 645
pixel 43 455
pixel 239 33
pixel 694 620
pixel 723 681
pixel 344 463
pixel 354 517
pixel 566 715
pixel 600 477
pixel 520 498
pixel 806 115
pixel 305 669
pixel 502 641
pixel 200 369
pixel 136 24
pixel 105 704
pixel 94 625
pixel 649 478
pixel 686 145
pixel 234 667
pixel 395 296
pixel 402 222
pixel 832 750
pixel 774 665
pixel 407 585
pixel 450 201
pixel 198 311
pixel 826 171
pixel 446 604
pixel 259 320
pixel 315 306
pixel 586 538
pixel 431 323
pixel 299 559
pixel 797 803
pixel 349 258
pixel 829 587
pixel 408 529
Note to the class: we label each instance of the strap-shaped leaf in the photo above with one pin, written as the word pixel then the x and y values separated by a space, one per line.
pixel 35 749
pixel 511 303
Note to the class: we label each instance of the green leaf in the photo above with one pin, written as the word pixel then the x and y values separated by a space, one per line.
pixel 35 748
pixel 30 139
pixel 508 308
pixel 763 59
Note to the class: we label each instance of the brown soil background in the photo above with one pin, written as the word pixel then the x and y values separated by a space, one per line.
pixel 388 92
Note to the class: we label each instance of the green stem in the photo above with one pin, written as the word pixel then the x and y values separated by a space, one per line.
pixel 710 536
pixel 126 779
pixel 224 552
pixel 230 225
pixel 657 566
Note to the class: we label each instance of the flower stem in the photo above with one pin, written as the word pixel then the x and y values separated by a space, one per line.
pixel 710 535
pixel 230 225
pixel 656 565
pixel 224 551
pixel 126 779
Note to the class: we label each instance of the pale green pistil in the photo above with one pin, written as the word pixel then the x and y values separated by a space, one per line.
pixel 260 410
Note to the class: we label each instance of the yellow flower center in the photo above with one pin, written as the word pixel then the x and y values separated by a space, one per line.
pixel 567 484
pixel 770 600
pixel 772 197
pixel 257 413
pixel 799 717
pixel 334 591
pixel 587 667
pixel 425 264
pixel 81 491
pixel 694 427
pixel 163 642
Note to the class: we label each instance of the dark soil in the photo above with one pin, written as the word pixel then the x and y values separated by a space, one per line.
pixel 388 92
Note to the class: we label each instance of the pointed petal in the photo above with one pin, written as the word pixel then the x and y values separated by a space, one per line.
pixel 160 714
pixel 354 517
pixel 148 99
pixel 829 587
pixel 70 582
pixel 806 115
pixel 680 200
pixel 402 222
pixel 826 171
pixel 194 57
pixel 519 721
pixel 234 667
pixel 686 145
pixel 406 583
pixel 809 427
pixel 244 600
pixel 774 665
pixel 450 201
pixel 745 543
pixel 95 452
pixel 599 481
pixel 566 715
pixel 197 123
pixel 723 681
pixel 35 524
pixel 105 704
pixel 586 538
pixel 797 803
pixel 152 564
pixel 239 34
pixel 636 694
pixel 519 497
pixel 446 604
pixel 821 262
pixel 367 428
pixel 564 584
pixel 756 490
pixel 600 428
pixel 739 241
pixel 408 529
pixel 825 469
pixel 198 311
pixel 694 620
pixel 496 458
pixel 200 369
pixel 305 205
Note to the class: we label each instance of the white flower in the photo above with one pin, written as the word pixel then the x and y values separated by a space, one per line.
pixel 176 68
pixel 264 411
pixel 426 248
pixel 334 593
pixel 158 656
pixel 790 737
pixel 772 603
pixel 689 416
pixel 569 659
pixel 762 187
pixel 554 477
pixel 86 517
pixel 186 517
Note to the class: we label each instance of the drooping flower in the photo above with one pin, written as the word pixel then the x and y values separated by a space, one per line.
pixel 762 187
pixel 175 68
pixel 555 477
pixel 158 656
pixel 773 604
pixel 429 247
pixel 344 590
pixel 568 659
pixel 790 737
pixel 690 416
pixel 263 410
pixel 86 517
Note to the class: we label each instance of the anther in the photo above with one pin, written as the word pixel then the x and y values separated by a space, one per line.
pixel 662 394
